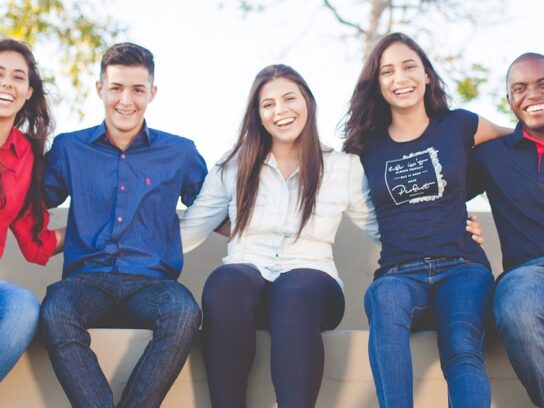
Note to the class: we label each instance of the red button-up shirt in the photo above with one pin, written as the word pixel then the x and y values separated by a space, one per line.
pixel 16 160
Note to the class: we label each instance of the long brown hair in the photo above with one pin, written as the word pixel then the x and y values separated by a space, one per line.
pixel 35 121
pixel 254 144
pixel 369 112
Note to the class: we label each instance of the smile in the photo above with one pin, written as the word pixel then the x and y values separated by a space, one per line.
pixel 125 112
pixel 6 97
pixel 402 91
pixel 284 122
pixel 535 108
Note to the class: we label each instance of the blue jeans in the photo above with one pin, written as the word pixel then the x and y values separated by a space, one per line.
pixel 457 294
pixel 519 313
pixel 19 312
pixel 101 299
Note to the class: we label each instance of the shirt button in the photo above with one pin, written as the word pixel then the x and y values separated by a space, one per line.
pixel 122 188
pixel 119 219
pixel 123 156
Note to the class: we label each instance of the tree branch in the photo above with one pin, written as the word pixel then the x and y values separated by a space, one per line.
pixel 342 20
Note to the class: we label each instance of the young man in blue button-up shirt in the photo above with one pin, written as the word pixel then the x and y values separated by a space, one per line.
pixel 122 251
pixel 510 169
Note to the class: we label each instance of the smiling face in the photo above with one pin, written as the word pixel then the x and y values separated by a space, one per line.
pixel 283 110
pixel 526 94
pixel 14 84
pixel 402 78
pixel 125 90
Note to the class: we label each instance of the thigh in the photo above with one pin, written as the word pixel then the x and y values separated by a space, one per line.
pixel 462 306
pixel 394 299
pixel 78 297
pixel 307 295
pixel 156 300
pixel 519 296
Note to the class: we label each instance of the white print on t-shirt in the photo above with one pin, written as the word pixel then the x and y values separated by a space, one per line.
pixel 415 177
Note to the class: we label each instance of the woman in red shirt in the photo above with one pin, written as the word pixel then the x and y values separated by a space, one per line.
pixel 22 105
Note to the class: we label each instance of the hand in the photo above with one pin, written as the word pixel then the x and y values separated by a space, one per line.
pixel 475 229
pixel 59 233
pixel 224 228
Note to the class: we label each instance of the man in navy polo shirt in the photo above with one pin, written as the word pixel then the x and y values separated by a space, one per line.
pixel 510 169
pixel 122 252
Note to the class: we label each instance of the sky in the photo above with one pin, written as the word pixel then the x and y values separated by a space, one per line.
pixel 207 55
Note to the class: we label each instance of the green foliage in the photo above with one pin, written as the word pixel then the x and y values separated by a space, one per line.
pixel 468 87
pixel 63 28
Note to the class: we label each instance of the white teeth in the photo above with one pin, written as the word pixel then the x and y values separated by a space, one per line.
pixel 122 112
pixel 403 90
pixel 6 97
pixel 535 108
pixel 285 121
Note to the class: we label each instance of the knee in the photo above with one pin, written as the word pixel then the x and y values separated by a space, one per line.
pixel 183 308
pixel 386 296
pixel 21 311
pixel 230 285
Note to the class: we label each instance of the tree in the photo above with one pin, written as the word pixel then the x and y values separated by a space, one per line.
pixel 63 32
pixel 419 18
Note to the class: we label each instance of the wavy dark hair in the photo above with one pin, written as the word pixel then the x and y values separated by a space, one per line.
pixel 254 144
pixel 35 121
pixel 369 112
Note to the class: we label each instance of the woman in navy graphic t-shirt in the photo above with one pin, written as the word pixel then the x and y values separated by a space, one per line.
pixel 414 151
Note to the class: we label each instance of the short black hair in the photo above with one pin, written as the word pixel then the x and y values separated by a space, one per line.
pixel 127 54
pixel 523 57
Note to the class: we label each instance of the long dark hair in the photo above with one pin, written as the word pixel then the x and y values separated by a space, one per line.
pixel 369 112
pixel 254 144
pixel 35 121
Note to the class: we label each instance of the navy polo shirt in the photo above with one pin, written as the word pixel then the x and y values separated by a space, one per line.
pixel 122 215
pixel 507 169
pixel 419 188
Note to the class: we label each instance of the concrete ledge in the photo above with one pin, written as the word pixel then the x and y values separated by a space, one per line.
pixel 347 380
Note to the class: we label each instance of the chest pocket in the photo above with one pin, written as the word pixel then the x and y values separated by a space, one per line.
pixel 325 220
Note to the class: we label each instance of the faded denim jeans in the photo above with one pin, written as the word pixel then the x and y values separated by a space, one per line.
pixel 19 312
pixel 519 313
pixel 457 293
pixel 85 300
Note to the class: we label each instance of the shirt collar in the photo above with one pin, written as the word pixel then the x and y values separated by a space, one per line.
pixel 538 142
pixel 99 134
pixel 16 143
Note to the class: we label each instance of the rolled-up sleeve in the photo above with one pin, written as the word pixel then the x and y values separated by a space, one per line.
pixel 33 251
pixel 207 212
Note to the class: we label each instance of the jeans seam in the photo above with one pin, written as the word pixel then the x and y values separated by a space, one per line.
pixel 378 360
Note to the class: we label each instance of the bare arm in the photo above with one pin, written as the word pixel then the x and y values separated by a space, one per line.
pixel 488 130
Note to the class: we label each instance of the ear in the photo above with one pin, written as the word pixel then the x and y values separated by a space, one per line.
pixel 153 92
pixel 98 86
pixel 427 79
pixel 29 93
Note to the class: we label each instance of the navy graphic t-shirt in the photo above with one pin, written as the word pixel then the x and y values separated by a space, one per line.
pixel 419 191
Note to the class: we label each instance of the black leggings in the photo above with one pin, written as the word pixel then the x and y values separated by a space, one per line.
pixel 295 308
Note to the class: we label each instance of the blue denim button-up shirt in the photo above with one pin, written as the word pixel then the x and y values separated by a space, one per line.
pixel 122 215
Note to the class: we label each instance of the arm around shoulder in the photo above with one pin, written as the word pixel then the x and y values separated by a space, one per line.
pixel 488 130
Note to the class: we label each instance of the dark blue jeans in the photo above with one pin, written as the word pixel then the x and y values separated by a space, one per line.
pixel 519 312
pixel 86 300
pixel 295 308
pixel 457 293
